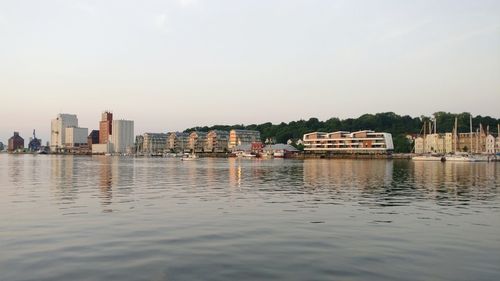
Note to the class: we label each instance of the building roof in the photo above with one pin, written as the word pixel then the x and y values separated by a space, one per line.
pixel 219 132
pixel 280 146
pixel 203 134
pixel 243 147
pixel 245 131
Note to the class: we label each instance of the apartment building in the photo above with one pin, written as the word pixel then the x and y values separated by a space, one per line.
pixel 242 137
pixel 217 141
pixel 346 142
pixel 154 143
pixel 197 141
pixel 177 142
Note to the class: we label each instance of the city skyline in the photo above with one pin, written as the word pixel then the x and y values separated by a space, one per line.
pixel 171 65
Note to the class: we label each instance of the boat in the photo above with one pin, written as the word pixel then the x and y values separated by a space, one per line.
pixel 242 154
pixel 464 156
pixel 264 155
pixel 461 157
pixel 189 157
pixel 429 157
pixel 279 154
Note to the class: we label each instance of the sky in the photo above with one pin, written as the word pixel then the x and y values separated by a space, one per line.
pixel 173 64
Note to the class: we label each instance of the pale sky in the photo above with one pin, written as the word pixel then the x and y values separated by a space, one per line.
pixel 169 65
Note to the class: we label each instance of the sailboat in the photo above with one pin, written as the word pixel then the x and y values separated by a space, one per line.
pixel 429 156
pixel 461 156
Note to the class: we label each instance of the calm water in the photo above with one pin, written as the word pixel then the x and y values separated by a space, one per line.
pixel 110 218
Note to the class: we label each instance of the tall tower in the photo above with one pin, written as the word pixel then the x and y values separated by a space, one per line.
pixel 105 127
pixel 123 135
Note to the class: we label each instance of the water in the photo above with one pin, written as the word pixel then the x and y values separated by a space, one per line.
pixel 111 218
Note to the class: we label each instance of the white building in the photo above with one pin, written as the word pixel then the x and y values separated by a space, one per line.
pixel 346 142
pixel 58 130
pixel 435 143
pixel 419 145
pixel 101 148
pixel 75 137
pixel 122 136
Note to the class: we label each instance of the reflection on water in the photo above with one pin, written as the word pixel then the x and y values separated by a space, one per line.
pixel 95 218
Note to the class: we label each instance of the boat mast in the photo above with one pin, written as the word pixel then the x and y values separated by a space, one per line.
pixel 477 140
pixel 424 142
pixel 455 135
pixel 470 133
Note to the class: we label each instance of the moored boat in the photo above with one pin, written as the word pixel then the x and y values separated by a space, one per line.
pixel 189 157
pixel 429 157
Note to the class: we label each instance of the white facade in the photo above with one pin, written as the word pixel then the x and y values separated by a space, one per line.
pixel 76 136
pixel 435 143
pixel 346 142
pixel 58 130
pixel 101 148
pixel 122 136
pixel 419 145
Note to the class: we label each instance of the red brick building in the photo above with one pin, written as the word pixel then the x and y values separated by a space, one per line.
pixel 16 142
pixel 105 127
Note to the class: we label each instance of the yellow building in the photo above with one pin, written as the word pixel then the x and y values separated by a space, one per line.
pixel 242 137
pixel 177 142
pixel 197 141
pixel 217 141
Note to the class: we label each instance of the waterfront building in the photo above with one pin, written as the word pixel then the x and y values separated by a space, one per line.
pixel 419 145
pixel 449 143
pixel 58 130
pixel 105 127
pixel 139 144
pixel 16 142
pixel 154 143
pixel 101 148
pixel 93 138
pixel 217 141
pixel 75 137
pixel 472 142
pixel 122 136
pixel 242 137
pixel 35 143
pixel 1 146
pixel 280 150
pixel 177 142
pixel 345 142
pixel 490 144
pixel 436 143
pixel 197 141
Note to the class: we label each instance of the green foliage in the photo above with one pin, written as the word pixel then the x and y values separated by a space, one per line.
pixel 402 144
pixel 390 122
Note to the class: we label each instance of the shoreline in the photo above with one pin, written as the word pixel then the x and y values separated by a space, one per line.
pixel 296 156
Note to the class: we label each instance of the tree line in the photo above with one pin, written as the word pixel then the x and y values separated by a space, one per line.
pixel 390 122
